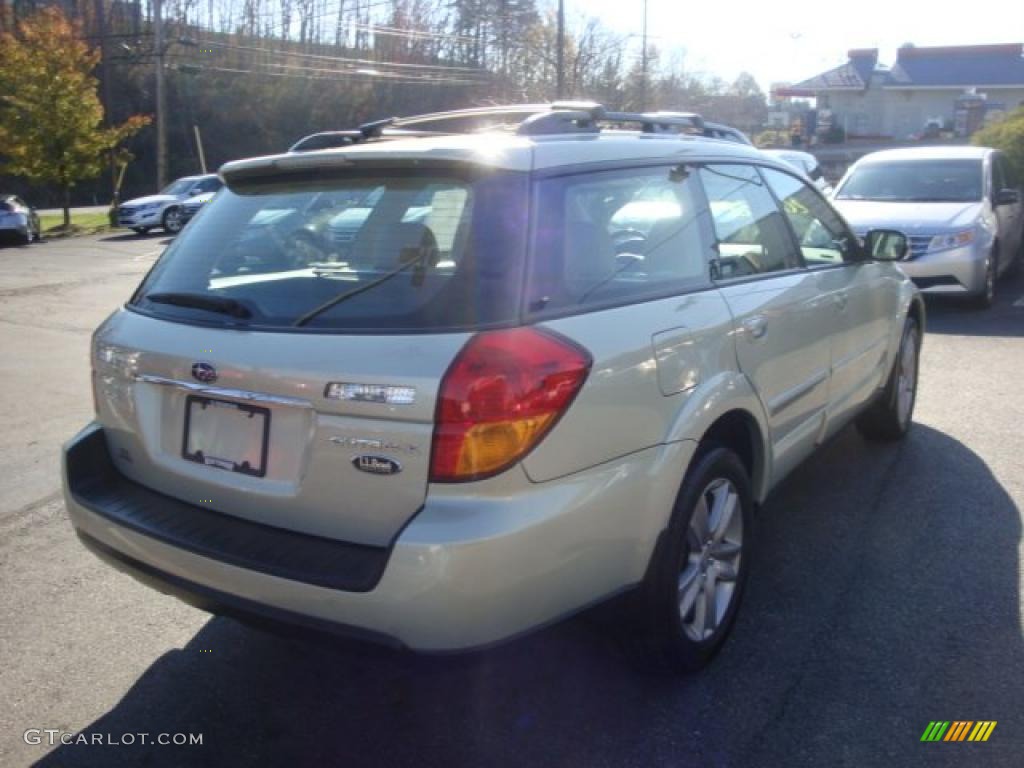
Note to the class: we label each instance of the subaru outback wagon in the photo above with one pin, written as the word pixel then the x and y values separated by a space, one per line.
pixel 440 389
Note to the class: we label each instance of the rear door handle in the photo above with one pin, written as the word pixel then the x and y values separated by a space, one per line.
pixel 841 301
pixel 756 327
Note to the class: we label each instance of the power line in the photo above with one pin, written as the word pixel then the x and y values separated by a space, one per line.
pixel 345 59
pixel 297 76
pixel 375 73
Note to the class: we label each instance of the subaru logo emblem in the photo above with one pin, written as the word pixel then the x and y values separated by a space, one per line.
pixel 204 372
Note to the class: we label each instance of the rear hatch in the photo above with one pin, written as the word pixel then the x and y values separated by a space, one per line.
pixel 268 371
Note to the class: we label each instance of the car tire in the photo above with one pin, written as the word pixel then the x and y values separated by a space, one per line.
pixel 171 221
pixel 987 297
pixel 889 417
pixel 695 581
pixel 140 230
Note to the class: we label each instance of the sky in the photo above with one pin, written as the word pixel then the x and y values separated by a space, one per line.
pixel 791 41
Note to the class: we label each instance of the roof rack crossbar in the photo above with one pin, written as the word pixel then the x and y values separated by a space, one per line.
pixel 559 117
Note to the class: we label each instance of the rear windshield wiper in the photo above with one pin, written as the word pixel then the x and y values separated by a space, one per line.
pixel 346 295
pixel 417 258
pixel 220 304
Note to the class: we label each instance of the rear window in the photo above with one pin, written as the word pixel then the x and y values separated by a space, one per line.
pixel 387 250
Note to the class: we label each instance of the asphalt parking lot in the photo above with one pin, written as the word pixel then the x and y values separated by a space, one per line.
pixel 885 593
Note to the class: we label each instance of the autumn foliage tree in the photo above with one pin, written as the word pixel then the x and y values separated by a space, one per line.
pixel 1007 135
pixel 51 120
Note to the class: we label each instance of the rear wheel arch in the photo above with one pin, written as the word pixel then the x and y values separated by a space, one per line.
pixel 740 432
pixel 916 310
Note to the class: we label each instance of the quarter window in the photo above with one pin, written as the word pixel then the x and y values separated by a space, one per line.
pixel 608 237
pixel 751 235
pixel 820 233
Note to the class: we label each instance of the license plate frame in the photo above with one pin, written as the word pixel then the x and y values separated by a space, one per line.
pixel 195 453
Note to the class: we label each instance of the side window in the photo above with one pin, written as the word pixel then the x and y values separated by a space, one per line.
pixel 606 237
pixel 820 233
pixel 207 185
pixel 751 235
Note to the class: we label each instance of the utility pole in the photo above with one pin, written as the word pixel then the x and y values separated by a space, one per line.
pixel 108 104
pixel 560 82
pixel 161 104
pixel 199 145
pixel 643 64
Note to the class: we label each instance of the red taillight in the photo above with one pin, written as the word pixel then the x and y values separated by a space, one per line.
pixel 500 396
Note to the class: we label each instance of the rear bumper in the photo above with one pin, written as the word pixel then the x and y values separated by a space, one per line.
pixel 94 484
pixel 15 230
pixel 465 572
pixel 959 270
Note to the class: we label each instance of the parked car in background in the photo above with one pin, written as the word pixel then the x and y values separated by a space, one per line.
pixel 191 207
pixel 960 207
pixel 804 162
pixel 18 220
pixel 164 210
pixel 524 373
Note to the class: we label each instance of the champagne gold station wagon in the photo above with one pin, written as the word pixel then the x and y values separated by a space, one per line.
pixel 455 377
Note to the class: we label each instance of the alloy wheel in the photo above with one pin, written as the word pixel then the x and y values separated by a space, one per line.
pixel 707 584
pixel 172 221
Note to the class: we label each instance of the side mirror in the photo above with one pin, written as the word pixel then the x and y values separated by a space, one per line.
pixel 1007 197
pixel 886 245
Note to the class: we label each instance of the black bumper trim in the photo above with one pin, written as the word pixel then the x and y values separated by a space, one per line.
pixel 931 282
pixel 95 483
pixel 223 604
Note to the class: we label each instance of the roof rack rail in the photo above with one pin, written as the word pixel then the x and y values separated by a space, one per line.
pixel 563 117
pixel 333 139
pixel 560 117
pixel 376 128
pixel 326 140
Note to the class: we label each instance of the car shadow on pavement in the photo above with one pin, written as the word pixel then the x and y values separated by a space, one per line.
pixel 883 594
pixel 133 237
pixel 956 316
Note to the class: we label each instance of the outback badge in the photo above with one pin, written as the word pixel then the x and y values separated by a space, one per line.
pixel 377 465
